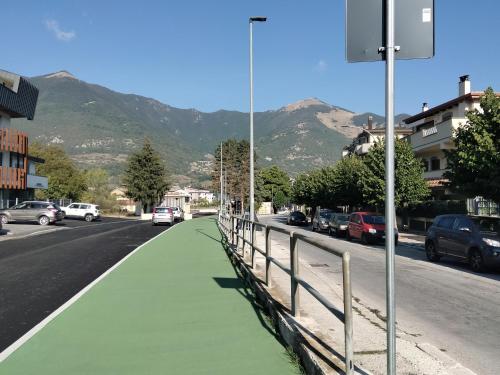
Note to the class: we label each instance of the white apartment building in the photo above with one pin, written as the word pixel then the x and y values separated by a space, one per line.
pixel 433 133
pixel 368 136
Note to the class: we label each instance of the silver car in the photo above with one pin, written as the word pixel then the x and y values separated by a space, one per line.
pixel 43 213
pixel 162 215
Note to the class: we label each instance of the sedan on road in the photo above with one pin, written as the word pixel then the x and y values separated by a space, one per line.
pixel 320 220
pixel 337 225
pixel 43 213
pixel 472 238
pixel 296 218
pixel 163 215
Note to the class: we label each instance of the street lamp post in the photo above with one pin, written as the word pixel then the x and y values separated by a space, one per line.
pixel 251 20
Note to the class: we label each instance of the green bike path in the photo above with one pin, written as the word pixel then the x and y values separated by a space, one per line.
pixel 176 306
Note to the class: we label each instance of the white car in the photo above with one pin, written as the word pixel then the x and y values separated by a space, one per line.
pixel 86 211
pixel 162 215
pixel 178 213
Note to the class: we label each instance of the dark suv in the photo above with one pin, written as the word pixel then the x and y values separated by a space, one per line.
pixel 472 238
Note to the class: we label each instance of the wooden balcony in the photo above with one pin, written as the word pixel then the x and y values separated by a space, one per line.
pixel 12 178
pixel 13 140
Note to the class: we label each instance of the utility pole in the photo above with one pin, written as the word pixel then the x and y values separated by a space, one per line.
pixel 252 198
pixel 221 183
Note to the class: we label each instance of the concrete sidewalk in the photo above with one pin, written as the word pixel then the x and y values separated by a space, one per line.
pixel 174 306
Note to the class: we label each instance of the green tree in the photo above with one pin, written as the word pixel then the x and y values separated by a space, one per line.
pixel 98 189
pixel 345 187
pixel 146 177
pixel 65 180
pixel 236 166
pixel 410 187
pixel 475 162
pixel 270 183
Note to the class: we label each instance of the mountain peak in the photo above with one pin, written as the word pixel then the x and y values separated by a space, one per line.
pixel 304 104
pixel 61 74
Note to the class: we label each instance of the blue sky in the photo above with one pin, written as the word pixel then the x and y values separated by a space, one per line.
pixel 194 54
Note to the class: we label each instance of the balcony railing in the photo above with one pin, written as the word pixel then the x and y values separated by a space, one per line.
pixel 12 178
pixel 13 140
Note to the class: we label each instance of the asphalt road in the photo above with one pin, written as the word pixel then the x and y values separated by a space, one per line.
pixel 444 304
pixel 39 273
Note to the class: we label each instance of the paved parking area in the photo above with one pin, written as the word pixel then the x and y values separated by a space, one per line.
pixel 26 229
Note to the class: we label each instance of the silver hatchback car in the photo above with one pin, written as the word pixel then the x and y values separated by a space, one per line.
pixel 43 213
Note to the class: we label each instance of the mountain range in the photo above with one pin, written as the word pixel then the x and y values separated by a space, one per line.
pixel 101 127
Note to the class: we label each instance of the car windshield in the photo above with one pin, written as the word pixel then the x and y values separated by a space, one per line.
pixel 162 210
pixel 342 218
pixel 372 219
pixel 325 214
pixel 298 215
pixel 488 226
pixel 56 206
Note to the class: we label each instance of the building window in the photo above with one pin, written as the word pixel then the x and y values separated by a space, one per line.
pixel 425 163
pixel 435 164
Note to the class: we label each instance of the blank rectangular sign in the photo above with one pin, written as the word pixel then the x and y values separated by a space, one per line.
pixel 365 29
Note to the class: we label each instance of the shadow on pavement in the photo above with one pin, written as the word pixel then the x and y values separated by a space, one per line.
pixel 266 321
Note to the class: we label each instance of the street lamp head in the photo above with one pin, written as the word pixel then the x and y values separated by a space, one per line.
pixel 257 19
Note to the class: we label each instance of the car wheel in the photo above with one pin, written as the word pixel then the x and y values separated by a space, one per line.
pixel 476 261
pixel 4 219
pixel 348 236
pixel 364 239
pixel 89 217
pixel 430 252
pixel 43 220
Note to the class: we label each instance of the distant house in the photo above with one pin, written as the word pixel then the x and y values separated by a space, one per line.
pixel 125 203
pixel 367 138
pixel 433 133
pixel 177 198
pixel 200 194
pixel 18 179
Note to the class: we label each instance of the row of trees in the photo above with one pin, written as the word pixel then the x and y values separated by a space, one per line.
pixel 360 181
pixel 272 184
pixel 145 179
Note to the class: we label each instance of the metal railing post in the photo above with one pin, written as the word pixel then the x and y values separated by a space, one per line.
pixel 294 268
pixel 243 241
pixel 232 230
pixel 268 254
pixel 252 239
pixel 237 235
pixel 348 328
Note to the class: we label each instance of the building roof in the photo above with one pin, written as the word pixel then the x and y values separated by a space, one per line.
pixel 436 182
pixel 444 106
pixel 18 97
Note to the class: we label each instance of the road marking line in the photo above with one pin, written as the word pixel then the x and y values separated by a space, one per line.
pixel 33 331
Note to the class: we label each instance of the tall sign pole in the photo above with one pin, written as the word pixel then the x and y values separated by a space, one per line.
pixel 390 210
pixel 373 28
pixel 251 124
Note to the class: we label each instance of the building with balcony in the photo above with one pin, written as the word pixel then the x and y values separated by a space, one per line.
pixel 18 179
pixel 433 134
pixel 369 136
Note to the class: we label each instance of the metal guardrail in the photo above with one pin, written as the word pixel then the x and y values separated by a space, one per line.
pixel 241 232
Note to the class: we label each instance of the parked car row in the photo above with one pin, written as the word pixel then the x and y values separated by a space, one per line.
pixel 368 227
pixel 167 215
pixel 475 239
pixel 45 213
